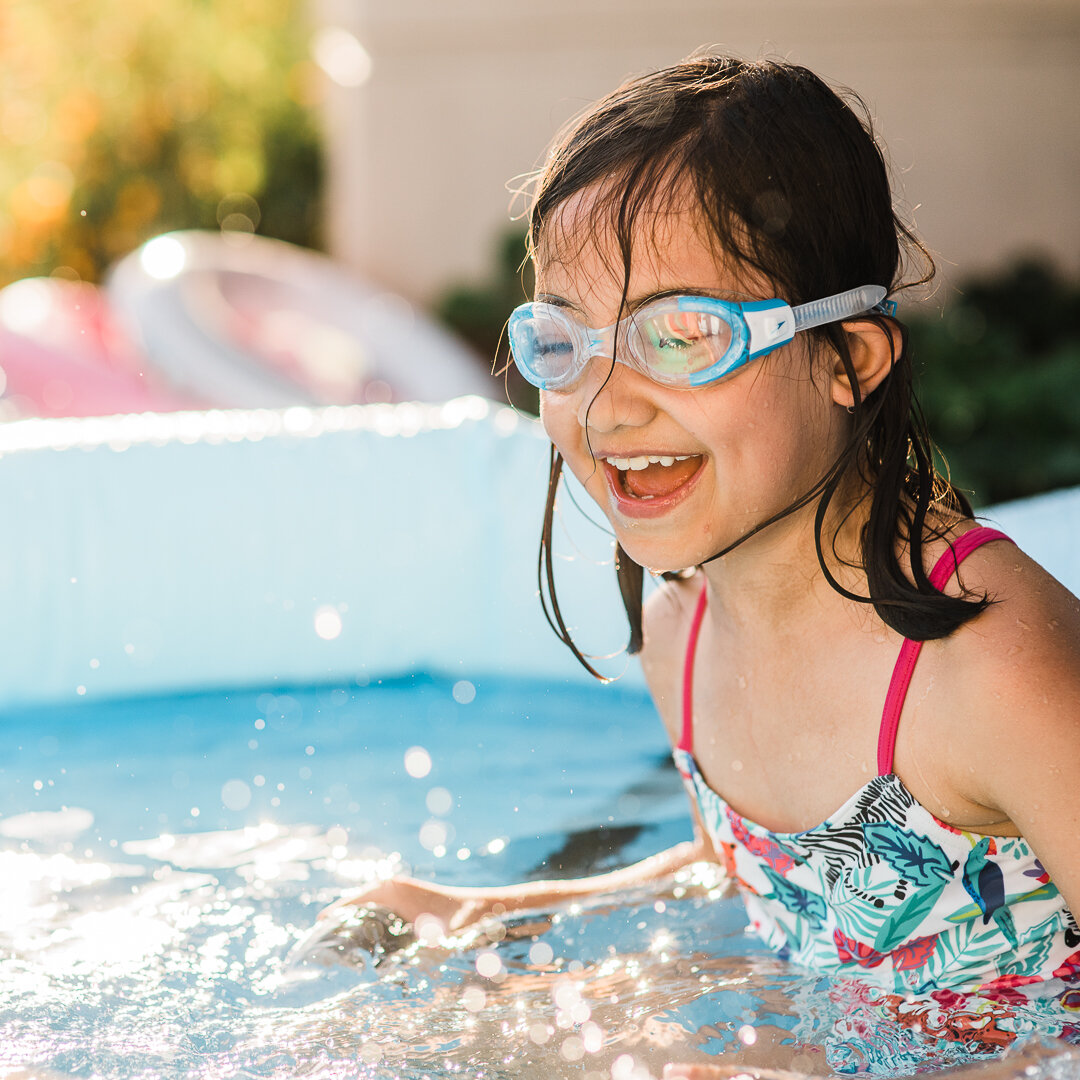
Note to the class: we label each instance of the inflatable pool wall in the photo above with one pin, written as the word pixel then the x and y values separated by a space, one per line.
pixel 157 553
pixel 160 553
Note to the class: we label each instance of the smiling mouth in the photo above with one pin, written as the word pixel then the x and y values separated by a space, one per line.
pixel 654 476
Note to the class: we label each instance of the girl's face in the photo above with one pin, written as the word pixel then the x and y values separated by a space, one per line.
pixel 721 458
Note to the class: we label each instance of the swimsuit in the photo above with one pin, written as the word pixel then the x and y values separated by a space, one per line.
pixel 884 889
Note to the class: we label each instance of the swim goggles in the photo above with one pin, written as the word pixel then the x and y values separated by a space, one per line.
pixel 680 341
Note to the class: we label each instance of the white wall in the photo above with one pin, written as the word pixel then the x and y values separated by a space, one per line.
pixel 976 100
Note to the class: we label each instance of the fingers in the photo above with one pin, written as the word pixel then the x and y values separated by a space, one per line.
pixel 351 899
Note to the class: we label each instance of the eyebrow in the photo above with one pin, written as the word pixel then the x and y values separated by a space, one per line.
pixel 640 301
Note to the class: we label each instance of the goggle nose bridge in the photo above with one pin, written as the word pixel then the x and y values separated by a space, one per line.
pixel 602 343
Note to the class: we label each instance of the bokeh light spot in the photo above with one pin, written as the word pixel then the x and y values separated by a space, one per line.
pixel 235 795
pixel 464 692
pixel 417 762
pixel 488 964
pixel 341 56
pixel 439 801
pixel 328 622
pixel 163 257
pixel 541 954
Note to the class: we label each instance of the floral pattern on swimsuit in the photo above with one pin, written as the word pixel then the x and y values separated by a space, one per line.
pixel 886 890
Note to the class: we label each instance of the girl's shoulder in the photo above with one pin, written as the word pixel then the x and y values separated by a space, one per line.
pixel 1022 649
pixel 1031 617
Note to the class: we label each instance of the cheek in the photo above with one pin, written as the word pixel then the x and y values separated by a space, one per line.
pixel 770 433
pixel 559 420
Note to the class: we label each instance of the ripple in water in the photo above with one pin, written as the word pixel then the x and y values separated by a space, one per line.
pixel 195 956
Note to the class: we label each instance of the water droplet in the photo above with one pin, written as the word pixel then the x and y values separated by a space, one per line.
pixel 433 834
pixel 464 692
pixel 541 954
pixel 747 1035
pixel 371 1053
pixel 417 762
pixel 539 1033
pixel 235 795
pixel 736 766
pixel 328 623
pixel 572 1049
pixel 429 928
pixel 439 801
pixel 488 964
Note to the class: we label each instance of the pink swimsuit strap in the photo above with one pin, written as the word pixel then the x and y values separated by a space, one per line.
pixel 943 570
pixel 686 742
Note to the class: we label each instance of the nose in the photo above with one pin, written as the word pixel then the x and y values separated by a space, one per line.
pixel 612 395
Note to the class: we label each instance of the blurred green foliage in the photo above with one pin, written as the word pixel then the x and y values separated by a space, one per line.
pixel 479 313
pixel 997 372
pixel 121 120
pixel 998 376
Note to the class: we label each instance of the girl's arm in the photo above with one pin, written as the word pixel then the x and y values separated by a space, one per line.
pixel 1020 672
pixel 456 906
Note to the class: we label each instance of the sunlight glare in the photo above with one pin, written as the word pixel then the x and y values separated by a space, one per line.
pixel 163 257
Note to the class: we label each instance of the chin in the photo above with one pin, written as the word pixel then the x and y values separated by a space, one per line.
pixel 657 559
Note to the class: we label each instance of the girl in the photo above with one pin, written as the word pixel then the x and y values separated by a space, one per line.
pixel 873 699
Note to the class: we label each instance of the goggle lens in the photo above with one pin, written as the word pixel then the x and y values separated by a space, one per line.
pixel 681 343
pixel 543 348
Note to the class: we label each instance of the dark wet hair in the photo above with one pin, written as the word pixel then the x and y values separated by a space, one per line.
pixel 792 185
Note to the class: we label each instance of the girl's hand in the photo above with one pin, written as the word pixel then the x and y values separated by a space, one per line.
pixel 412 900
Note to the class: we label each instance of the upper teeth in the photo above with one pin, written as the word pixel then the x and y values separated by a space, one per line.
pixel 634 464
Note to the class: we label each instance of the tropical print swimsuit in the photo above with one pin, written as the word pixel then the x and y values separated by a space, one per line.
pixel 883 889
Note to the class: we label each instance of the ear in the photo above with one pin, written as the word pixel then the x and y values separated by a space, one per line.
pixel 874 349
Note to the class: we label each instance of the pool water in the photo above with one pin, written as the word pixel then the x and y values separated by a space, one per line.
pixel 163 861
